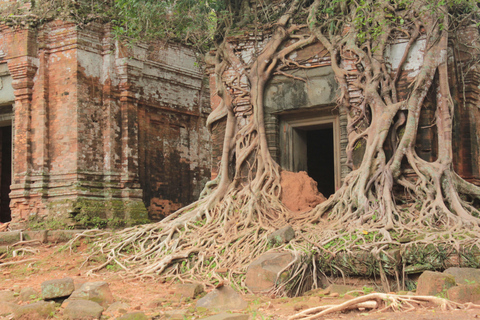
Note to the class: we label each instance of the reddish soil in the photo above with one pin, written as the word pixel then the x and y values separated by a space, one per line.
pixel 299 191
pixel 154 298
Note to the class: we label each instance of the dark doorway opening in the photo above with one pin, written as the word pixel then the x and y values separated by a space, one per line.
pixel 312 145
pixel 320 159
pixel 5 172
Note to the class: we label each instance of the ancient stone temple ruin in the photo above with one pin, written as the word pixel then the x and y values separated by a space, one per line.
pixel 97 130
pixel 91 128
pixel 306 130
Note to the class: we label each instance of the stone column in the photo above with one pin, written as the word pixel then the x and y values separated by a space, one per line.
pixel 23 70
pixel 129 71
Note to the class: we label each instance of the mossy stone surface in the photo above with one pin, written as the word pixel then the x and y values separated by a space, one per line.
pixel 57 288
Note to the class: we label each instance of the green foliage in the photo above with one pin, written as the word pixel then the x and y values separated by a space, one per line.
pixel 188 21
pixel 369 18
pixel 198 22
pixel 183 266
pixel 329 9
pixel 25 13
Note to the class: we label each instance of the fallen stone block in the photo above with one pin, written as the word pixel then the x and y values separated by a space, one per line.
pixel 222 299
pixel 36 310
pixel 9 237
pixel 282 235
pixel 464 293
pixel 262 273
pixel 7 308
pixel 98 292
pixel 57 288
pixel 78 283
pixel 188 290
pixel 434 283
pixel 82 309
pixel 464 275
pixel 40 235
pixel 28 294
pixel 7 296
pixel 117 307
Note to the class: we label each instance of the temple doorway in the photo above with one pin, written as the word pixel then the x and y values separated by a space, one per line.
pixel 312 145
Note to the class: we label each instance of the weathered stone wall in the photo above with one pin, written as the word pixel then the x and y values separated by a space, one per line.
pixel 174 145
pixel 103 130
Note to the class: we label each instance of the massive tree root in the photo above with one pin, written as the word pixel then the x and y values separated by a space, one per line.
pixel 368 192
pixel 392 194
pixel 382 302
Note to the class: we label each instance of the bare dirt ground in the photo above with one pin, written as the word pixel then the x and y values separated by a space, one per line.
pixel 154 298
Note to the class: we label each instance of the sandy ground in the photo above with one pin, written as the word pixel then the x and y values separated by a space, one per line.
pixel 154 297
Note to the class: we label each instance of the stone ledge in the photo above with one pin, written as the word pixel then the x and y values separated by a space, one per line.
pixel 405 258
pixel 44 236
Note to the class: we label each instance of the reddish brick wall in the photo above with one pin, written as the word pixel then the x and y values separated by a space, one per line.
pixel 170 175
pixel 101 122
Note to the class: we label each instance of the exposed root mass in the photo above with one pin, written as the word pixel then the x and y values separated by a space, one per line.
pixel 381 302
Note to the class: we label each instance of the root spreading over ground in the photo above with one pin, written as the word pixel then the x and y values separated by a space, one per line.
pixel 382 302
pixel 394 200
